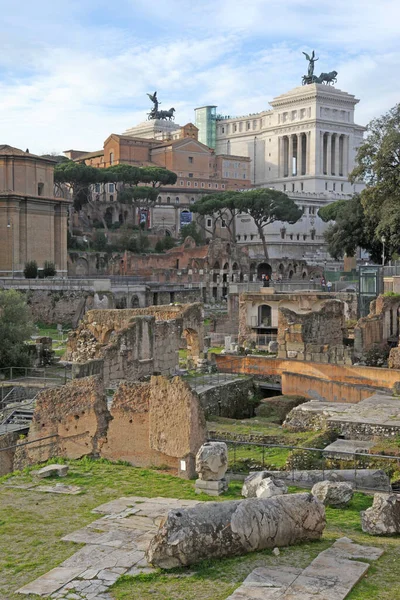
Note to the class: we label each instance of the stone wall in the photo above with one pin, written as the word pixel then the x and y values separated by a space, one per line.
pixel 315 335
pixel 58 306
pixel 76 414
pixel 9 440
pixel 379 327
pixel 353 376
pixel 233 399
pixel 88 368
pixel 135 343
pixel 160 422
pixel 319 388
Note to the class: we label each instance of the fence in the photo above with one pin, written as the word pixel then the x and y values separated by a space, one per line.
pixel 244 457
pixel 46 376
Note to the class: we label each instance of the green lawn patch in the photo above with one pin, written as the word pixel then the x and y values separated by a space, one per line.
pixel 32 523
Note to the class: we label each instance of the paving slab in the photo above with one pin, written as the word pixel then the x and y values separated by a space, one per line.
pixel 115 544
pixel 345 448
pixel 330 576
pixel 51 581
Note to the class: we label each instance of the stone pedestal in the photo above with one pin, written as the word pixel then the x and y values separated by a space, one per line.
pixel 211 488
pixel 153 129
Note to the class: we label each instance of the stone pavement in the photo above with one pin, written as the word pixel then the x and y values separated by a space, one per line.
pixel 341 448
pixel 378 415
pixel 330 576
pixel 115 545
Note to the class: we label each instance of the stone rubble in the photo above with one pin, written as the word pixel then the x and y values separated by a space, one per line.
pixel 271 487
pixel 332 493
pixel 383 517
pixel 50 470
pixel 251 483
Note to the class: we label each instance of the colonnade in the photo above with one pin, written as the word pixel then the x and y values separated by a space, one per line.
pixel 294 156
pixel 331 154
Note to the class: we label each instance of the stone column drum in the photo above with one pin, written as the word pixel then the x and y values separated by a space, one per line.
pixel 211 466
pixel 218 529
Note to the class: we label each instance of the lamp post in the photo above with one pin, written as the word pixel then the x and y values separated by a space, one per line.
pixel 383 240
pixel 10 226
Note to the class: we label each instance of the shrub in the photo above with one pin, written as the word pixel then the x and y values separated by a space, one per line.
pixel 49 269
pixel 99 241
pixel 31 270
pixel 277 407
pixel 376 356
pixel 304 460
pixel 15 329
pixel 165 243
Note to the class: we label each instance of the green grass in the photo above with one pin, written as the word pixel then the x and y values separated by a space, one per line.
pixel 216 349
pixel 32 523
pixel 216 579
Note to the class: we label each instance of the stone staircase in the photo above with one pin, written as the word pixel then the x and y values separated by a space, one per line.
pixel 330 576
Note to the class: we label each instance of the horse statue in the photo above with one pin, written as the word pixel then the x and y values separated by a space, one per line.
pixel 166 114
pixel 327 78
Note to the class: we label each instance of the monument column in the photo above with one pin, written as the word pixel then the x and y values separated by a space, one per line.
pixel 321 154
pixel 290 156
pixel 329 154
pixel 311 154
pixel 346 140
pixel 299 163
pixel 281 156
pixel 336 154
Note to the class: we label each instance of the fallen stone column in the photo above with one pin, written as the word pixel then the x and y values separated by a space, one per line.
pixel 218 529
pixel 368 479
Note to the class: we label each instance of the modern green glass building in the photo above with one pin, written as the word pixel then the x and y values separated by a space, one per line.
pixel 206 124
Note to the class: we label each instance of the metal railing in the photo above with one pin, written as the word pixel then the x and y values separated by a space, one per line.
pixel 47 376
pixel 244 457
pixel 198 380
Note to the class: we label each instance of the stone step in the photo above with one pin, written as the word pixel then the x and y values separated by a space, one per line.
pixel 341 448
pixel 330 576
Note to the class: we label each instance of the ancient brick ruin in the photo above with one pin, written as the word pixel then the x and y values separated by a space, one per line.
pixel 135 343
pixel 381 326
pixel 314 335
pixel 155 423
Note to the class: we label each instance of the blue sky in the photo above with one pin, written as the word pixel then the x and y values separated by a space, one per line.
pixel 71 73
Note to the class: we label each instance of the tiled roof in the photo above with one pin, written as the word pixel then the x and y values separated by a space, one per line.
pixel 6 150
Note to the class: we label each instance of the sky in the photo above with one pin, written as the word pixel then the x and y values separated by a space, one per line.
pixel 72 73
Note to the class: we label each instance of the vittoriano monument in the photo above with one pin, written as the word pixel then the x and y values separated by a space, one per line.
pixel 159 114
pixel 326 78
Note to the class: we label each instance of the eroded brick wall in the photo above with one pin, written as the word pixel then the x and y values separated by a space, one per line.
pixel 159 422
pixel 75 414
pixel 315 335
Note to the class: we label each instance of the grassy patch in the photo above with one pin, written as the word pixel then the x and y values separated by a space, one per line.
pixel 32 524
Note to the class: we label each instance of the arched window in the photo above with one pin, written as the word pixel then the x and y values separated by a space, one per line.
pixel 264 269
pixel 265 315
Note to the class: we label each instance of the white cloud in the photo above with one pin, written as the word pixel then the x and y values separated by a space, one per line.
pixel 69 78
